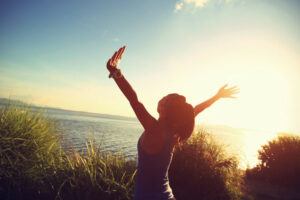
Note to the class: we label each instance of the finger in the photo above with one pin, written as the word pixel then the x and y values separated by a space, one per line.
pixel 117 57
pixel 233 93
pixel 113 58
pixel 123 50
pixel 110 62
pixel 120 52
pixel 114 55
pixel 234 87
pixel 234 90
pixel 223 87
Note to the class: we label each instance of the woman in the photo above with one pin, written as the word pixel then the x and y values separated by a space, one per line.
pixel 156 144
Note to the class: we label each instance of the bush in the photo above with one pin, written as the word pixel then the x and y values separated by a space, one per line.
pixel 279 162
pixel 34 166
pixel 96 175
pixel 28 144
pixel 201 170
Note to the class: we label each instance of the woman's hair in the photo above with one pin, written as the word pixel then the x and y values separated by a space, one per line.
pixel 179 115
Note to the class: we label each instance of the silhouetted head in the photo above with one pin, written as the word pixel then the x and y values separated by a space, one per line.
pixel 177 115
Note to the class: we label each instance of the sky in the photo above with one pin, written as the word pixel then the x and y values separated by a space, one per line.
pixel 53 53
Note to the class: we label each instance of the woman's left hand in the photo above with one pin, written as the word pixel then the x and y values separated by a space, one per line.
pixel 227 92
pixel 114 60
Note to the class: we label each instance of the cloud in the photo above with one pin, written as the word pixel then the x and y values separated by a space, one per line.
pixel 197 3
pixel 180 5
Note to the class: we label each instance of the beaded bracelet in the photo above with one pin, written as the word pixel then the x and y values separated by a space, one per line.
pixel 115 74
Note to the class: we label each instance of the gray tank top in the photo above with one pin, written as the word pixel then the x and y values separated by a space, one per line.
pixel 152 181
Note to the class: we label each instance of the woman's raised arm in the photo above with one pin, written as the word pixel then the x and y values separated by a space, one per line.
pixel 142 114
pixel 223 92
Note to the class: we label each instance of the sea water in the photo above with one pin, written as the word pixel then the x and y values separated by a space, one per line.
pixel 121 135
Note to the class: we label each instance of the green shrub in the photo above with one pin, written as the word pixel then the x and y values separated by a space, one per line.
pixel 96 175
pixel 28 144
pixel 279 162
pixel 201 170
pixel 34 166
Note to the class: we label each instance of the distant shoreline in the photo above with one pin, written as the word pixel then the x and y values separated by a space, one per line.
pixel 6 101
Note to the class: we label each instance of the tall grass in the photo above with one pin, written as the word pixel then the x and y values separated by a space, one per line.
pixel 28 144
pixel 34 166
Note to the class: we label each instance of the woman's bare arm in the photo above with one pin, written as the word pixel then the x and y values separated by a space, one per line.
pixel 142 114
pixel 223 92
pixel 202 106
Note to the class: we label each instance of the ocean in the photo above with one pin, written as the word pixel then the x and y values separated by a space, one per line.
pixel 120 134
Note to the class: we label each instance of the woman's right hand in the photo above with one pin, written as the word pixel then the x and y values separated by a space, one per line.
pixel 115 59
pixel 227 92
